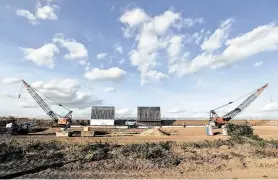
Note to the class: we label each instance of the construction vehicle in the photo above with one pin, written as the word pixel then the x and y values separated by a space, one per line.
pixel 131 124
pixel 217 121
pixel 60 121
pixel 135 124
pixel 19 129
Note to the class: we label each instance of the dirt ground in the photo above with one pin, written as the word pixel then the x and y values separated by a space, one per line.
pixel 182 134
pixel 230 159
pixel 36 156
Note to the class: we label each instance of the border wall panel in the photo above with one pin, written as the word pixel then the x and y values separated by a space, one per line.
pixel 148 114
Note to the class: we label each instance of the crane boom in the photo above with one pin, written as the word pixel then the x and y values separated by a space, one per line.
pixel 244 104
pixel 227 117
pixel 40 102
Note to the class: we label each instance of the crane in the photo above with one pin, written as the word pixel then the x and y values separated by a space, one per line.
pixel 216 120
pixel 65 121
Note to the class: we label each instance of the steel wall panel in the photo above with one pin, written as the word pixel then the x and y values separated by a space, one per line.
pixel 103 112
pixel 148 114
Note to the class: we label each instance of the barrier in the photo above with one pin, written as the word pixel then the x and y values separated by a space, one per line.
pixel 209 130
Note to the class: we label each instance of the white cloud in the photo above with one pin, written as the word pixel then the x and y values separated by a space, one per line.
pixel 189 22
pixel 44 55
pixel 66 92
pixel 110 89
pixel 47 12
pixel 101 56
pixel 175 47
pixel 217 39
pixel 152 34
pixel 148 33
pixel 131 19
pixel 162 22
pixel 118 48
pixel 11 80
pixel 112 74
pixel 77 50
pixel 153 76
pixel 259 63
pixel 43 12
pixel 26 14
pixel 261 39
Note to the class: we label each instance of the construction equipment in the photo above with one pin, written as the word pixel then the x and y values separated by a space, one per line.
pixel 131 124
pixel 18 129
pixel 217 121
pixel 61 121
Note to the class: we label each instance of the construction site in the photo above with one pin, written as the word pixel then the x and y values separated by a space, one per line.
pixel 146 146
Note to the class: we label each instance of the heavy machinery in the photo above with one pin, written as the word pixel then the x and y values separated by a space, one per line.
pixel 217 121
pixel 131 124
pixel 19 129
pixel 60 121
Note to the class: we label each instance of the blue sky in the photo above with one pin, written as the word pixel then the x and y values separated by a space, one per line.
pixel 186 56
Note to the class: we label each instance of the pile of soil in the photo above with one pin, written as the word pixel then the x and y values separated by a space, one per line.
pixel 154 132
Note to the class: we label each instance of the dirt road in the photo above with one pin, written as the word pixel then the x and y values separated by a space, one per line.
pixel 183 134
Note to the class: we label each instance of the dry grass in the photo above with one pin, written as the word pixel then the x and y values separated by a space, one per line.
pixel 177 158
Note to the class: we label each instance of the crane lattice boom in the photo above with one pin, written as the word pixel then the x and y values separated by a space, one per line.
pixel 40 101
pixel 43 104
pixel 221 120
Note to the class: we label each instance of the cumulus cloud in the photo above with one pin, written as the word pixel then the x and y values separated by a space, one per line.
pixel 132 19
pixel 261 39
pixel 259 63
pixel 77 50
pixel 43 12
pixel 101 56
pixel 150 34
pixel 11 80
pixel 66 92
pixel 112 74
pixel 217 39
pixel 110 89
pixel 153 76
pixel 175 47
pixel 43 56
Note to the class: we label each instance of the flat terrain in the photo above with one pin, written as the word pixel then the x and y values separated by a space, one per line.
pixel 239 157
pixel 181 135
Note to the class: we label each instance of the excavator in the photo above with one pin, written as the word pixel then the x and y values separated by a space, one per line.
pixel 218 121
pixel 60 121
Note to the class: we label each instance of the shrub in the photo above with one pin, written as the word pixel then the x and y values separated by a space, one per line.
pixel 98 151
pixel 147 150
pixel 239 130
pixel 10 151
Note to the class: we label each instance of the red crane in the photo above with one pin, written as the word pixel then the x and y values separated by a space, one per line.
pixel 216 120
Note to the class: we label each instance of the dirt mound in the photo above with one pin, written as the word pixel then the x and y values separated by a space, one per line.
pixel 154 132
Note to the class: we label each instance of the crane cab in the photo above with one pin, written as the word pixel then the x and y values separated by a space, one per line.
pixel 64 121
